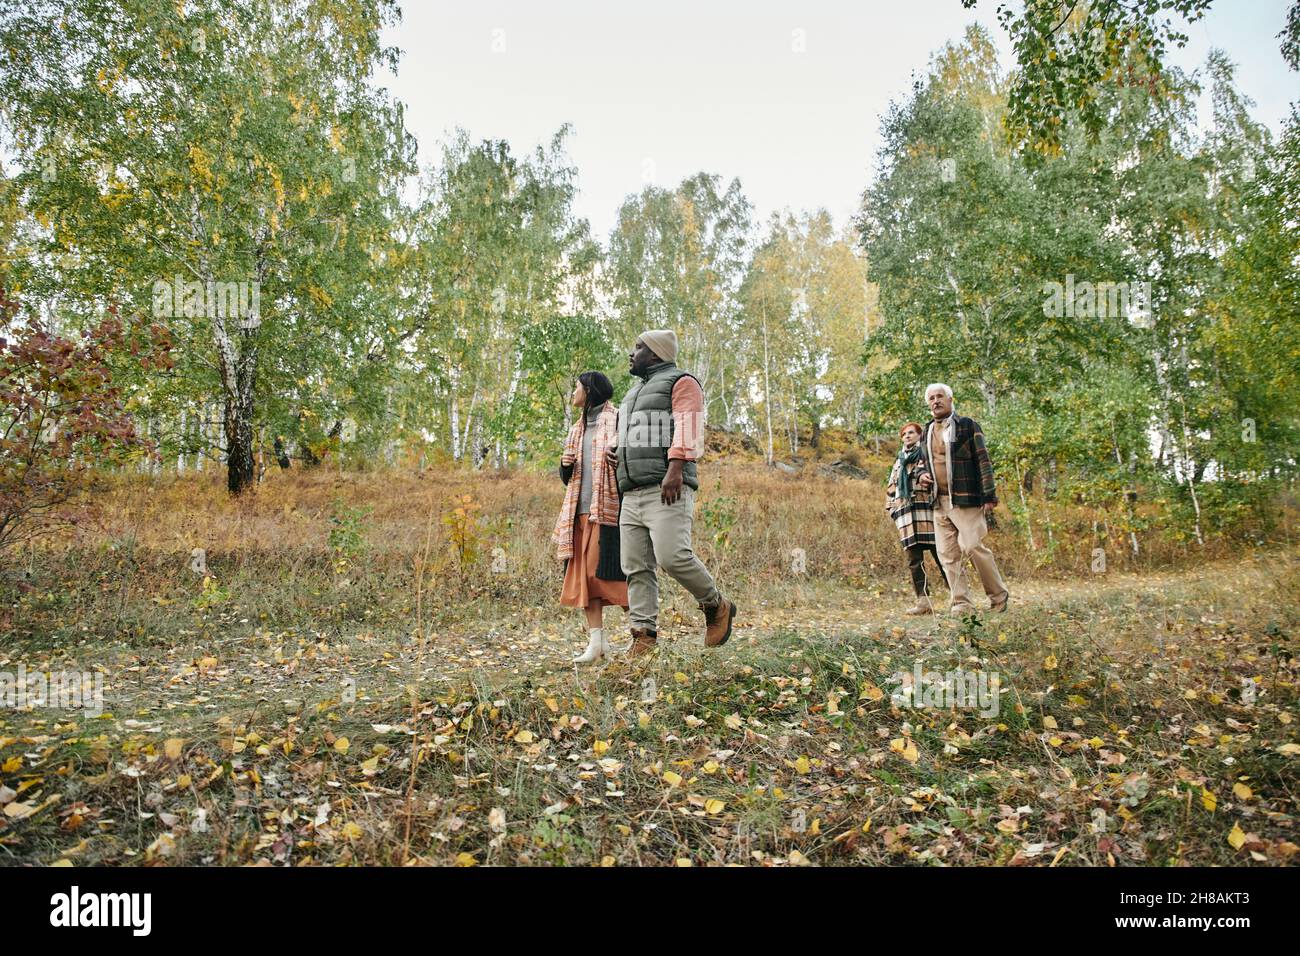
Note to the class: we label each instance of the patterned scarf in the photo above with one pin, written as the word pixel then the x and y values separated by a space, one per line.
pixel 906 458
pixel 604 485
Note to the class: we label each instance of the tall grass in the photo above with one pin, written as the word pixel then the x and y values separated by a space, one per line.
pixel 289 550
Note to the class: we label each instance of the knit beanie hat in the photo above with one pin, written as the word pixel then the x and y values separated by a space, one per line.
pixel 663 342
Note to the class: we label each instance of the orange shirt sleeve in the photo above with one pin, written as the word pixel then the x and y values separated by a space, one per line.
pixel 688 420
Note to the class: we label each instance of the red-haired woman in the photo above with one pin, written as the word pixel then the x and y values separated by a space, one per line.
pixel 912 509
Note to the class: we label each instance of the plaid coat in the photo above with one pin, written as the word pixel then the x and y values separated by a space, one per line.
pixel 914 518
pixel 970 472
pixel 604 486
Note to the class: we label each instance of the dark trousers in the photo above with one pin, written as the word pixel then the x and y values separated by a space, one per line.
pixel 916 564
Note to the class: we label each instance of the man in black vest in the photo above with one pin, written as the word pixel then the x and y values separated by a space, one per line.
pixel 661 432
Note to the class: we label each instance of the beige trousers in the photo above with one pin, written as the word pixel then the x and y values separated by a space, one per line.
pixel 959 534
pixel 650 533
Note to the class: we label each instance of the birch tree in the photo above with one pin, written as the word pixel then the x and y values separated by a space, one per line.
pixel 226 167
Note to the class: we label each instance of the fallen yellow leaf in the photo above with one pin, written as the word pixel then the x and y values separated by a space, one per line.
pixel 350 831
pixel 1236 839
pixel 905 748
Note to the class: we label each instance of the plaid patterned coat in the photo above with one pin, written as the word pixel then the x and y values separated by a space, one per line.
pixel 604 486
pixel 914 518
pixel 970 471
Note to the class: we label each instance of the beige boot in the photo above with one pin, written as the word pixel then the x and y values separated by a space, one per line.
pixel 922 606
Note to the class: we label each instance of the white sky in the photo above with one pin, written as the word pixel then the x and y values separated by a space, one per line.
pixel 675 87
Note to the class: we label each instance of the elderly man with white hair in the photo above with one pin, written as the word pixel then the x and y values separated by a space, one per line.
pixel 962 477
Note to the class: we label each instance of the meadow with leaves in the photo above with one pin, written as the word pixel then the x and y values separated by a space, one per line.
pixel 282 392
pixel 351 681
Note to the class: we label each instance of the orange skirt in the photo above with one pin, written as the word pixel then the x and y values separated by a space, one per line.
pixel 581 586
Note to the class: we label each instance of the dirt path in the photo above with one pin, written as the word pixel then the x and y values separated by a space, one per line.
pixel 192 681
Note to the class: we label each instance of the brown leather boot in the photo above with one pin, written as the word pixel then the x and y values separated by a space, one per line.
pixel 718 622
pixel 644 641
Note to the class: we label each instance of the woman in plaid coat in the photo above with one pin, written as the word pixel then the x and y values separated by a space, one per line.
pixel 586 532
pixel 912 509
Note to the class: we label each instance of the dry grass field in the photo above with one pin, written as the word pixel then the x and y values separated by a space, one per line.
pixel 373 669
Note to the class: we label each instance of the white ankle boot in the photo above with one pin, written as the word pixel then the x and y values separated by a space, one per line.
pixel 597 647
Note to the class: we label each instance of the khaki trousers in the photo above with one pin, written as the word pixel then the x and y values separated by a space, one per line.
pixel 650 533
pixel 959 534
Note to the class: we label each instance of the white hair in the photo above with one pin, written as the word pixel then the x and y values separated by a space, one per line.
pixel 939 385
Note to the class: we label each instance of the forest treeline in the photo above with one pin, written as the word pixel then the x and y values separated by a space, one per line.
pixel 230 188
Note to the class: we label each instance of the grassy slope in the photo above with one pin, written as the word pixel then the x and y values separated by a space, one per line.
pixel 782 748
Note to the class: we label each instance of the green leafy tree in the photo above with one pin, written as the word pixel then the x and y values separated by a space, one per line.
pixel 1069 51
pixel 676 259
pixel 805 299
pixel 963 238
pixel 189 161
pixel 1066 52
pixel 499 263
